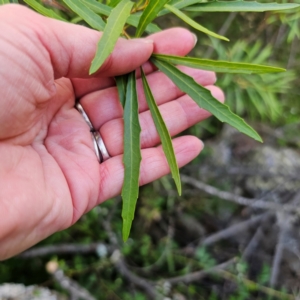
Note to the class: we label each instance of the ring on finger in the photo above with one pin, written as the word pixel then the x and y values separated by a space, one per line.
pixel 99 146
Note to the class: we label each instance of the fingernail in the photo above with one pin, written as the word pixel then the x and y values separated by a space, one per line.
pixel 195 38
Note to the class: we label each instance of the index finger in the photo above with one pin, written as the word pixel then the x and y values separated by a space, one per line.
pixel 165 42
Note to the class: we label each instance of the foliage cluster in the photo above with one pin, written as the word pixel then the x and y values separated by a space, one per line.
pixel 113 18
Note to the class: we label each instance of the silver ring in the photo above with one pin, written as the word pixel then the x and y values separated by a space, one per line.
pixel 84 115
pixel 102 149
pixel 96 148
pixel 99 147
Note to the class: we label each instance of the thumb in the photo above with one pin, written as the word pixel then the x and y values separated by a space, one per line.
pixel 71 48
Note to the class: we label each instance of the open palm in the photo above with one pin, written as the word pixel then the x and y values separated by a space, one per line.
pixel 49 173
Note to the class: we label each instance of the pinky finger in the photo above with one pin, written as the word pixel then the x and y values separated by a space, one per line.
pixel 153 166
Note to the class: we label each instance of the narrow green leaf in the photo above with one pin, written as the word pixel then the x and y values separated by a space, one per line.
pixel 43 10
pixel 230 6
pixel 149 14
pixel 194 24
pixel 163 132
pixel 111 33
pixel 105 10
pixel 135 19
pixel 4 2
pixel 204 98
pixel 132 155
pixel 76 20
pixel 114 3
pixel 86 14
pixel 218 65
pixel 179 5
pixel 121 82
pixel 98 7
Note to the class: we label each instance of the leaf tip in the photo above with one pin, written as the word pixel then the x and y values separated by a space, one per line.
pixel 126 229
pixel 259 139
pixel 178 186
pixel 221 37
pixel 92 70
pixel 279 70
pixel 180 192
pixel 256 136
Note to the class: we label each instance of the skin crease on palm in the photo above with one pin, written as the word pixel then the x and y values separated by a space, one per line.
pixel 49 173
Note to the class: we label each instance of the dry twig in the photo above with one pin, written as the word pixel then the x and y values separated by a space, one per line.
pixel 255 286
pixel 253 244
pixel 119 262
pixel 123 269
pixel 62 249
pixel 284 222
pixel 196 276
pixel 256 203
pixel 76 291
pixel 232 230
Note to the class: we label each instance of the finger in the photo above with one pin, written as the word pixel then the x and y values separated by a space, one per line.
pixel 83 86
pixel 153 166
pixel 79 52
pixel 164 42
pixel 103 106
pixel 178 116
pixel 174 41
pixel 70 48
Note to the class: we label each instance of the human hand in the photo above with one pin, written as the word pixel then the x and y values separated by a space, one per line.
pixel 49 173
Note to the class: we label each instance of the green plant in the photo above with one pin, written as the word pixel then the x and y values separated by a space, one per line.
pixel 260 91
pixel 113 18
pixel 205 259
